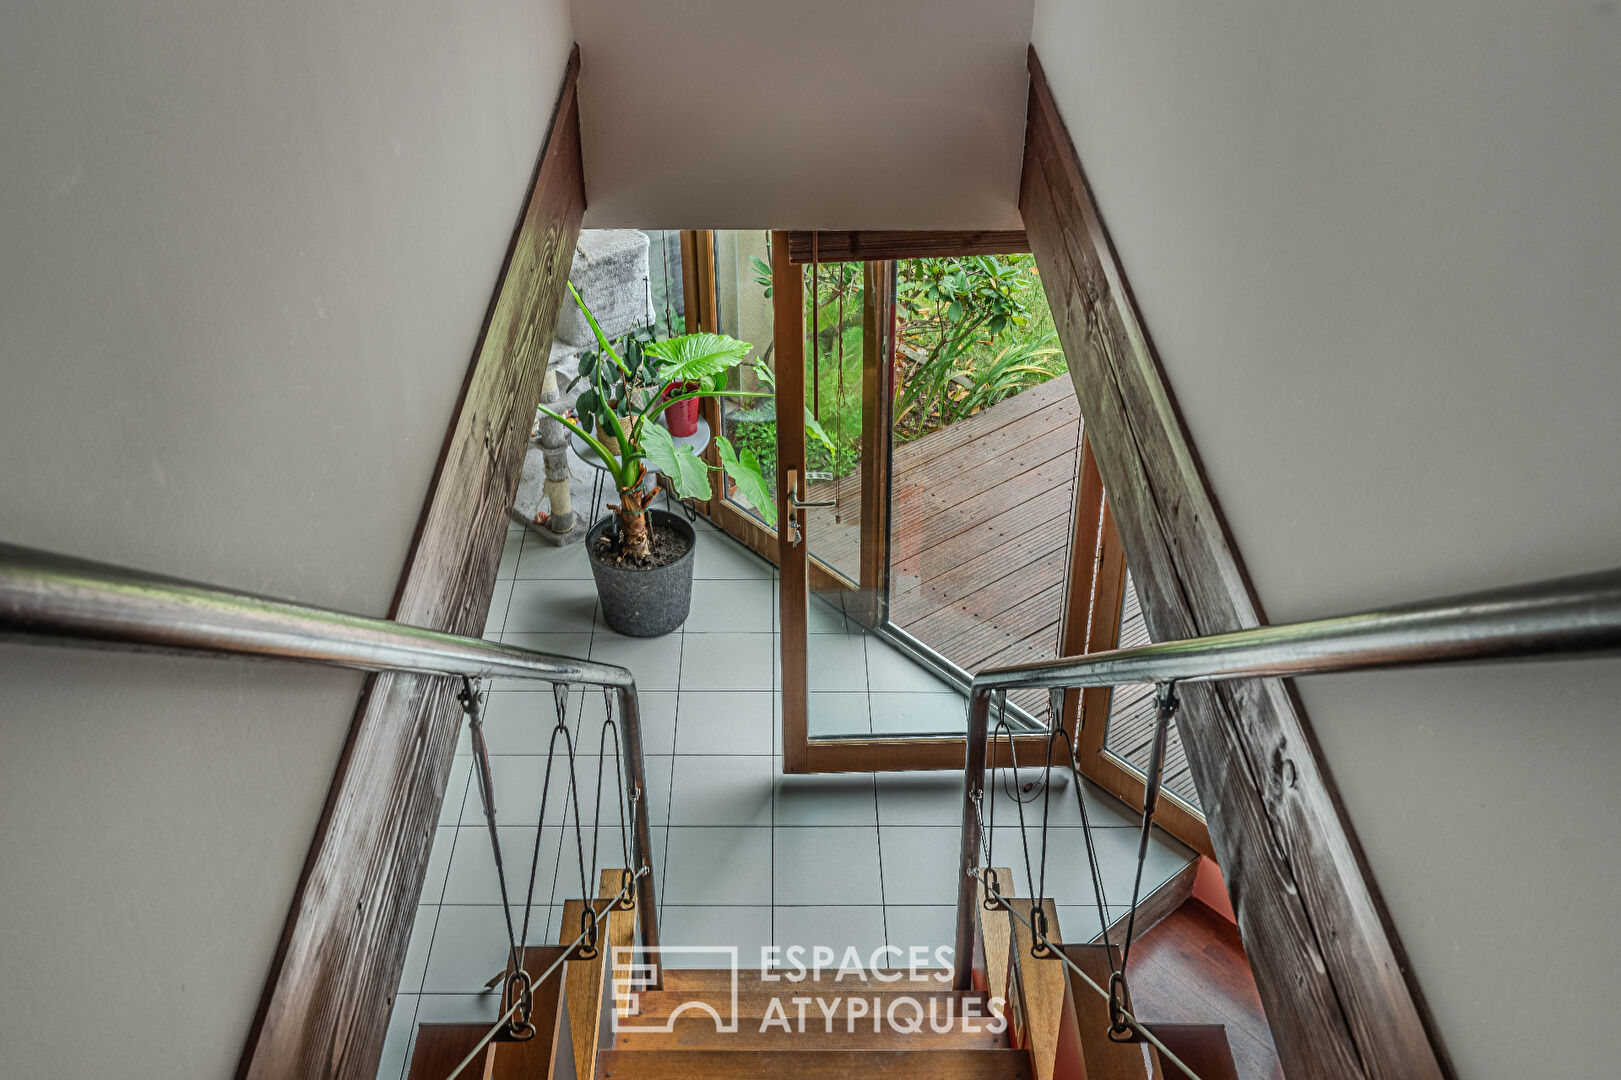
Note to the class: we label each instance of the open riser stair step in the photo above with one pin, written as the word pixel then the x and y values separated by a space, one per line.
pixel 1028 1019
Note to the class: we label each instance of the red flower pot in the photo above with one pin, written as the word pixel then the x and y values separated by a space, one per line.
pixel 682 417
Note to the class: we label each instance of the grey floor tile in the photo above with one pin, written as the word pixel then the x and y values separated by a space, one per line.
pixel 927 928
pixel 548 561
pixel 822 617
pixel 1069 880
pixel 496 619
pixel 522 721
pixel 416 952
pixel 509 557
pixel 718 866
pixel 656 708
pixel 458 1008
pixel 1079 922
pixel 469 946
pixel 714 929
pixel 920 798
pixel 837 712
pixel 822 935
pixel 830 865
pixel 1103 810
pixel 552 607
pixel 720 557
pixel 921 863
pixel 656 662
pixel 518 781
pixel 918 712
pixel 724 722
pixel 890 669
pixel 472 878
pixel 461 771
pixel 728 662
pixel 398 1039
pixel 836 662
pixel 721 790
pixel 433 883
pixel 736 606
pixel 826 799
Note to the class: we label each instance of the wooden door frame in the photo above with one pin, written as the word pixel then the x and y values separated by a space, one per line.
pixel 801 754
pixel 1096 762
pixel 1338 990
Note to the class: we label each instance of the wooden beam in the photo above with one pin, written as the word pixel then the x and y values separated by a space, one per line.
pixel 1325 957
pixel 331 984
pixel 877 378
pixel 788 313
pixel 876 246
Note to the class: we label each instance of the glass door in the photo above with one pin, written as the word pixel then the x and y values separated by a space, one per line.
pixel 860 691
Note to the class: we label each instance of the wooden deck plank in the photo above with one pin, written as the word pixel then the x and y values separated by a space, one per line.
pixel 942 579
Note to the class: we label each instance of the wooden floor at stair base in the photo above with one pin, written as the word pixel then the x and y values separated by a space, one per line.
pixel 811 1064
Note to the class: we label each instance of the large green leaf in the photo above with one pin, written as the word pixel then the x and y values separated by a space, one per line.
pixel 602 340
pixel 679 463
pixel 745 472
pixel 814 426
pixel 697 356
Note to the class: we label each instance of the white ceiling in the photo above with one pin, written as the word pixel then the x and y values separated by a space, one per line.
pixel 830 114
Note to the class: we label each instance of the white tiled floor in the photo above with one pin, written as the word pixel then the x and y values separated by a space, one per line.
pixel 743 855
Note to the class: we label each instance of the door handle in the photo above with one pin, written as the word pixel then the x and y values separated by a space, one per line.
pixel 793 494
pixel 796 537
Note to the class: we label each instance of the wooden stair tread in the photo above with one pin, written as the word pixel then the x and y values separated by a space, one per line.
pixel 1202 1047
pixel 813 1064
pixel 700 1034
pixel 754 1003
pixel 751 979
pixel 441 1047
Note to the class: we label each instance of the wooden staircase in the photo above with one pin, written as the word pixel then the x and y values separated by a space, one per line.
pixel 1026 1019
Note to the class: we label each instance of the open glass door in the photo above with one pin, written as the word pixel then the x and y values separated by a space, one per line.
pixel 893 569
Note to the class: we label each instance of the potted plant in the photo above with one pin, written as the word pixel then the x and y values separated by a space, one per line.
pixel 642 558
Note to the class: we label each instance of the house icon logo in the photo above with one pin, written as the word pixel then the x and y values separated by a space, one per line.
pixel 636 968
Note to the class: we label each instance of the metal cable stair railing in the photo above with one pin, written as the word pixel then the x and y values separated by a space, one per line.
pixel 49 599
pixel 1560 619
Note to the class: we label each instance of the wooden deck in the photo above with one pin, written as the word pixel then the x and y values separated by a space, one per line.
pixel 979 543
pixel 979 531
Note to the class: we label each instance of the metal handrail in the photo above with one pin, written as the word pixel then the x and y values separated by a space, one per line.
pixel 52 599
pixel 1562 618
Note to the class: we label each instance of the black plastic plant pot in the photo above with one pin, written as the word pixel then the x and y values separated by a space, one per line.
pixel 644 603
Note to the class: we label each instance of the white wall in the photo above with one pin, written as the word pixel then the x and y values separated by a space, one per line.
pixel 245 250
pixel 838 114
pixel 1379 246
